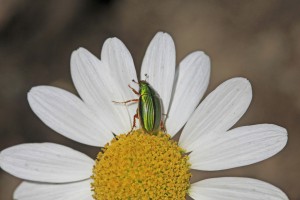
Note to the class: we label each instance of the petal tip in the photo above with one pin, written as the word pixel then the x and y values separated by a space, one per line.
pixel 163 35
pixel 1 159
pixel 284 133
pixel 243 84
pixel 77 52
pixel 112 40
pixel 38 89
pixel 200 53
pixel 33 91
pixel 241 80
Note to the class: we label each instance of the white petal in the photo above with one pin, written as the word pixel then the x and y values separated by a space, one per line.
pixel 96 87
pixel 218 112
pixel 192 81
pixel 159 65
pixel 120 66
pixel 239 147
pixel 68 115
pixel 70 191
pixel 46 162
pixel 229 188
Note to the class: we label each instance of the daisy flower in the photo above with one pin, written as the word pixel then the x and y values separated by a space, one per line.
pixel 138 165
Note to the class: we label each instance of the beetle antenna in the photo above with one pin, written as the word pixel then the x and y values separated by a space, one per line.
pixel 146 77
pixel 134 81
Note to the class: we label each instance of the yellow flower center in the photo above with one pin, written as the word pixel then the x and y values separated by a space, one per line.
pixel 139 165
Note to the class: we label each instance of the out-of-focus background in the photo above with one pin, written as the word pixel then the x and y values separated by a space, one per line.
pixel 259 40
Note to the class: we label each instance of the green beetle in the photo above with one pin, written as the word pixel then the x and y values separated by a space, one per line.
pixel 149 110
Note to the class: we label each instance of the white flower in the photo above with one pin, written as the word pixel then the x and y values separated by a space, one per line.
pixel 53 171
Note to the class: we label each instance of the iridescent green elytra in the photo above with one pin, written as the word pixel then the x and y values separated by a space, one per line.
pixel 149 108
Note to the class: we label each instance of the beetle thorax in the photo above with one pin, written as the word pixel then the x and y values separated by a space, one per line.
pixel 144 88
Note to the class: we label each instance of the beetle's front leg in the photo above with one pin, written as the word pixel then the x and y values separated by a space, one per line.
pixel 128 101
pixel 134 91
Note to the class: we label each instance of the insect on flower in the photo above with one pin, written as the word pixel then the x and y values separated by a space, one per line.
pixel 149 111
pixel 137 165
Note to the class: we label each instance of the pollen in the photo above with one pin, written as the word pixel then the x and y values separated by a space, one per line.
pixel 140 165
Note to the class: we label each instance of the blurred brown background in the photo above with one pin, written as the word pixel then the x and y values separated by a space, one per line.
pixel 259 40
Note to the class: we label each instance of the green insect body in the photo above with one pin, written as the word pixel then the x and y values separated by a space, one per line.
pixel 149 108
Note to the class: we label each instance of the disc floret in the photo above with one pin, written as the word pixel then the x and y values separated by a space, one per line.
pixel 139 165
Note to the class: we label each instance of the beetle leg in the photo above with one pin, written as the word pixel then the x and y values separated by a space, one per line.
pixel 162 126
pixel 134 91
pixel 128 101
pixel 134 120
